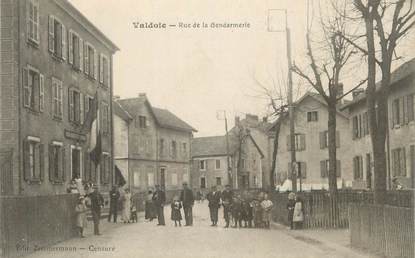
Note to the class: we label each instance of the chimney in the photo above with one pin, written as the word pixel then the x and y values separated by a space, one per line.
pixel 116 97
pixel 357 92
pixel 237 120
pixel 265 119
pixel 142 95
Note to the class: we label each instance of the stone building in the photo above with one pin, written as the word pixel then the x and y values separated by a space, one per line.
pixel 400 141
pixel 311 145
pixel 53 62
pixel 210 162
pixel 158 149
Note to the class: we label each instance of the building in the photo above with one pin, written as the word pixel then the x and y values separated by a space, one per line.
pixel 400 141
pixel 153 145
pixel 53 62
pixel 311 145
pixel 210 162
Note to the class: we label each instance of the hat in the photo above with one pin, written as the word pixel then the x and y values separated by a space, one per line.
pixel 81 197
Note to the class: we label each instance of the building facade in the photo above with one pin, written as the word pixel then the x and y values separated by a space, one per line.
pixel 311 145
pixel 54 61
pixel 158 149
pixel 400 141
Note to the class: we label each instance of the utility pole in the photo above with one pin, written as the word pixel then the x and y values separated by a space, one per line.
pixel 291 107
pixel 229 168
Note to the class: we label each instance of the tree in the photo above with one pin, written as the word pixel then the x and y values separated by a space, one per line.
pixel 325 79
pixel 386 22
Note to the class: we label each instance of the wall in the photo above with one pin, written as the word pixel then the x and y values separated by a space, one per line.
pixel 121 145
pixel 210 173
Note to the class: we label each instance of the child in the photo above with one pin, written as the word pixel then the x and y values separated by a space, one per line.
pixel 80 210
pixel 176 214
pixel 266 205
pixel 290 208
pixel 133 213
pixel 237 211
pixel 298 215
pixel 247 213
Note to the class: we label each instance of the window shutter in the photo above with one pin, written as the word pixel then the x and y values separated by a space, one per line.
pixel 81 55
pixel 95 64
pixel 101 68
pixel 51 34
pixel 410 107
pixel 403 162
pixel 401 111
pixel 304 170
pixel 337 139
pixel 63 171
pixel 41 161
pixel 41 92
pixel 302 141
pixel 71 105
pixel 87 166
pixel 404 106
pixel 26 161
pixel 81 107
pixel 26 90
pixel 323 168
pixel 322 140
pixel 54 97
pixel 51 163
pixel 28 22
pixel 64 49
pixel 288 143
pixel 338 168
pixel 108 72
pixel 70 44
pixel 86 58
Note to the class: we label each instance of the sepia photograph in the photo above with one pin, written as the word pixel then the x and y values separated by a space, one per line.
pixel 207 129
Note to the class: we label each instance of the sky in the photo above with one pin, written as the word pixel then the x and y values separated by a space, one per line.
pixel 196 72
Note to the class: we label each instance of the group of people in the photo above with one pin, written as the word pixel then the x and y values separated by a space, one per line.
pixel 295 209
pixel 240 210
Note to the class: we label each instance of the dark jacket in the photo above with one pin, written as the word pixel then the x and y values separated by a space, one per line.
pixel 159 197
pixel 227 197
pixel 114 196
pixel 214 199
pixel 96 201
pixel 186 196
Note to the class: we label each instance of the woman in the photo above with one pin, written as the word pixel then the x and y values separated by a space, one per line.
pixel 126 206
pixel 266 205
pixel 298 215
pixel 290 208
pixel 149 209
pixel 80 210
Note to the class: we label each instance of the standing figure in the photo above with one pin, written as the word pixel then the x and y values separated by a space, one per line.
pixel 133 217
pixel 227 198
pixel 266 205
pixel 188 200
pixel 213 198
pixel 290 208
pixel 247 212
pixel 298 215
pixel 80 210
pixel 126 206
pixel 149 206
pixel 257 212
pixel 176 214
pixel 97 202
pixel 114 196
pixel 159 198
pixel 237 211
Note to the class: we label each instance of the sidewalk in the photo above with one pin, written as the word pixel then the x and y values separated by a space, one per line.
pixel 327 239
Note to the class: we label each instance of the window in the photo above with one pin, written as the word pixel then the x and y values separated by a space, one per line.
pixel 256 181
pixel 218 181
pixel 358 168
pixel 174 179
pixel 300 144
pixel 312 116
pixel 88 102
pixel 217 164
pixel 301 169
pixel 76 47
pixel 403 110
pixel 33 160
pixel 202 164
pixel 136 179
pixel 150 179
pixel 32 13
pixel 105 168
pixel 410 107
pixel 104 70
pixel 76 161
pixel 173 151
pixel 184 149
pixel 185 175
pixel 33 89
pixel 76 113
pixel 57 98
pixel 142 122
pixel 90 61
pixel 105 118
pixel 243 163
pixel 162 148
pixel 57 38
pixel 203 182
pixel 399 162
pixel 324 139
pixel 56 162
pixel 368 171
pixel 324 168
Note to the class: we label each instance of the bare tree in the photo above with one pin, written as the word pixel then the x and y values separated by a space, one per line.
pixel 325 79
pixel 386 22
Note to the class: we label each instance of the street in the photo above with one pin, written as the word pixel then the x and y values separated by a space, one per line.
pixel 145 239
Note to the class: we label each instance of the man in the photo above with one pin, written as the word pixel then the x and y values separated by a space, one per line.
pixel 97 202
pixel 159 198
pixel 188 200
pixel 227 197
pixel 213 198
pixel 114 197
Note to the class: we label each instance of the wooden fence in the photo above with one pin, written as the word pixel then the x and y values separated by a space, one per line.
pixel 386 230
pixel 27 222
pixel 317 206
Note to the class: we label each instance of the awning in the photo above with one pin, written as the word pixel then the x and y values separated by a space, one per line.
pixel 119 178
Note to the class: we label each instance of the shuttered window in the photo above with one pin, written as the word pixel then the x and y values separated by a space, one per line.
pixel 324 168
pixel 33 89
pixel 324 139
pixel 358 168
pixel 57 38
pixel 32 20
pixel 76 49
pixel 300 142
pixel 57 98
pixel 104 70
pixel 56 162
pixel 33 159
pixel 399 162
pixel 74 102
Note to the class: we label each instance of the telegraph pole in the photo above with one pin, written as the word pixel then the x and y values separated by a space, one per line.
pixel 229 168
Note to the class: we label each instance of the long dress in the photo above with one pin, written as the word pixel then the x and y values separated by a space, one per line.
pixel 80 210
pixel 149 207
pixel 266 207
pixel 126 207
pixel 176 214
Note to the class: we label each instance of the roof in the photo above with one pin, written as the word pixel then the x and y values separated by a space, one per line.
pixel 121 112
pixel 66 5
pixel 405 70
pixel 163 117
pixel 212 146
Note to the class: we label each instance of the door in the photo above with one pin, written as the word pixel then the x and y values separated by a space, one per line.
pixel 76 163
pixel 163 178
pixel 203 182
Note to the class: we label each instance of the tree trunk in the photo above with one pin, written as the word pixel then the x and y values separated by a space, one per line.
pixel 334 208
pixel 274 155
